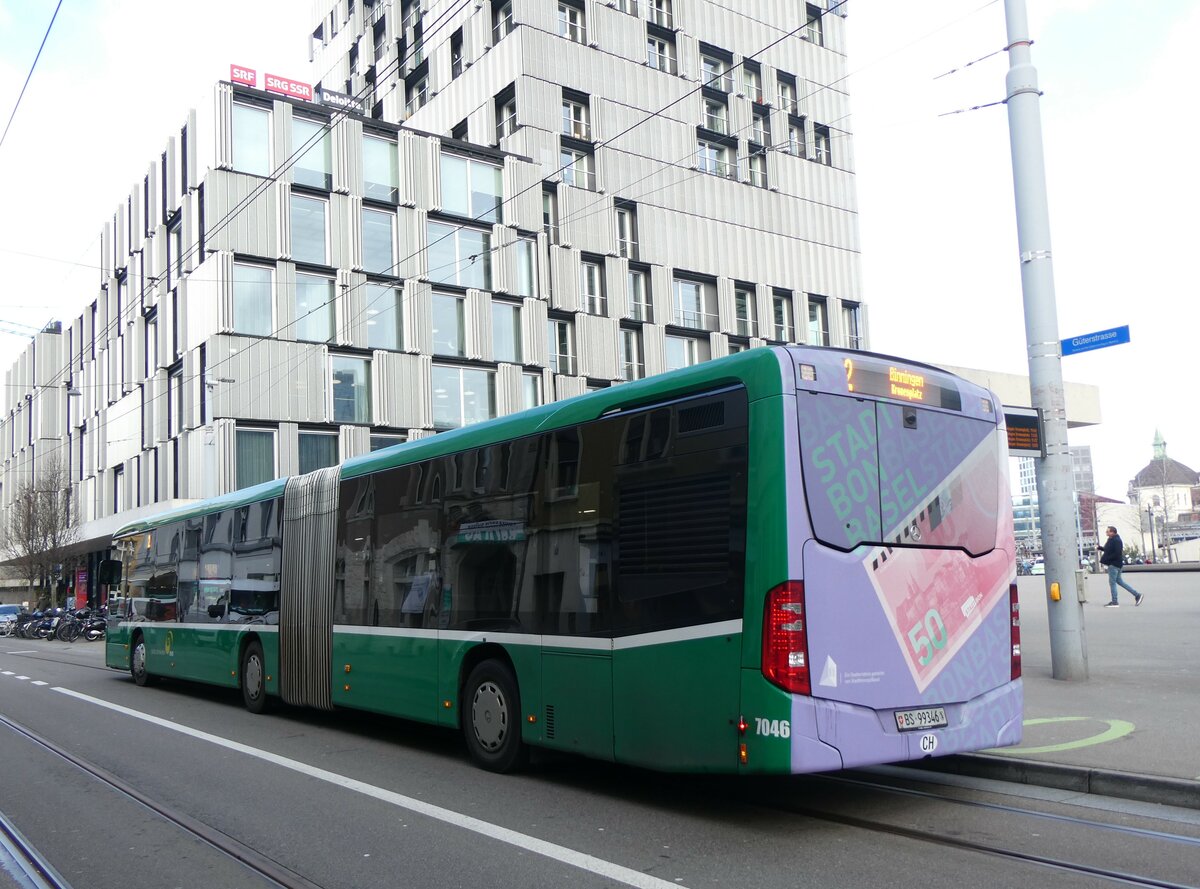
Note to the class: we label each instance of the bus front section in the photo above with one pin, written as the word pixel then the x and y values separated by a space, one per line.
pixel 895 635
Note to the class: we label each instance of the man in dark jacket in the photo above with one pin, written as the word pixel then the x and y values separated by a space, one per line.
pixel 1112 556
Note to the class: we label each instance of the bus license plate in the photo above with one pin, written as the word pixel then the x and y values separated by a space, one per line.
pixel 930 717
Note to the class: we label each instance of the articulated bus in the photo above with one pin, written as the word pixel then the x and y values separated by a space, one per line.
pixel 792 559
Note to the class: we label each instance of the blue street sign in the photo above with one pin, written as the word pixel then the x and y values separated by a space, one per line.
pixel 1114 336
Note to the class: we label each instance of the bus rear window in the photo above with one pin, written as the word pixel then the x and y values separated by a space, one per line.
pixel 885 473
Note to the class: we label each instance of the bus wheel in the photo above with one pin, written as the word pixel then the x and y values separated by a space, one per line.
pixel 253 681
pixel 137 663
pixel 491 718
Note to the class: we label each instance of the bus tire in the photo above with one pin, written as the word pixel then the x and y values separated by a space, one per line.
pixel 137 662
pixel 253 675
pixel 491 717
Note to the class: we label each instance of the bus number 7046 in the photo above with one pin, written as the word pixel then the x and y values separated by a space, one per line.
pixel 778 728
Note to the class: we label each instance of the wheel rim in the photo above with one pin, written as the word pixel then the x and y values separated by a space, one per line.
pixel 139 659
pixel 489 716
pixel 252 675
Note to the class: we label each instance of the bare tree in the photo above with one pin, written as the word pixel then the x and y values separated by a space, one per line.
pixel 39 525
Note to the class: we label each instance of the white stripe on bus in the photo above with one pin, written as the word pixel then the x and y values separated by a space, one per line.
pixel 578 643
pixel 571 857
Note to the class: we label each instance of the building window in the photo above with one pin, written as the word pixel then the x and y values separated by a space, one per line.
pixel 757 164
pixel 796 139
pixel 472 188
pixel 787 94
pixel 251 140
pixel 309 240
pixel 783 316
pixel 575 121
pixel 174 403
pixel 531 390
pixel 550 212
pixel 118 498
pixel 381 169
pixel 633 364
pixel 639 295
pixel 351 388
pixel 461 256
pixel 379 241
pixel 715 73
pixel 571 23
pixel 660 13
pixel 713 158
pixel 752 76
pixel 526 284
pixel 562 346
pixel 255 456
pixel 418 95
pixel 386 440
pixel 743 311
pixel 385 324
pixel 315 166
pixel 716 116
pixel 627 236
pixel 818 321
pixel 577 168
pixel 629 6
pixel 506 332
pixel 814 28
pixel 760 128
pixel 462 396
pixel 314 308
pixel 502 21
pixel 506 117
pixel 852 325
pixel 449 336
pixel 456 53
pixel 695 304
pixel 317 450
pixel 660 54
pixel 591 287
pixel 683 351
pixel 252 302
pixel 822 148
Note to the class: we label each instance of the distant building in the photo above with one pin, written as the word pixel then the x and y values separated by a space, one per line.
pixel 1081 471
pixel 1162 491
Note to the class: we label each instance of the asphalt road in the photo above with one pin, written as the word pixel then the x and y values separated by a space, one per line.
pixel 351 800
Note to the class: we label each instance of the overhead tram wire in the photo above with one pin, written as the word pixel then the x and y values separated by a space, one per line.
pixel 335 117
pixel 29 76
pixel 479 217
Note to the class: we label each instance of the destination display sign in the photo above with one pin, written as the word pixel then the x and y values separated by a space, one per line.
pixel 867 376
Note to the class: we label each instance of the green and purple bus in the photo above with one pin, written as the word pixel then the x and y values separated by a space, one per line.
pixel 792 559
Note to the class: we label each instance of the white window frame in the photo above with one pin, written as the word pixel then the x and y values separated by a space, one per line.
pixel 591 287
pixel 561 332
pixel 788 97
pixel 715 73
pixel 660 54
pixel 270 297
pixel 390 268
pixel 258 430
pixel 746 324
pixel 783 318
pixel 572 23
pixel 639 309
pixel 576 120
pixel 304 198
pixel 577 168
pixel 633 359
pixel 363 411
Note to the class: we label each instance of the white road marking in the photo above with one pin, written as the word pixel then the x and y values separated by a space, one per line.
pixel 8 673
pixel 22 677
pixel 39 682
pixel 580 860
pixel 23 651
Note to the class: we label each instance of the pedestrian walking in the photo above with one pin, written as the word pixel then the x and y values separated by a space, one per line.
pixel 1112 556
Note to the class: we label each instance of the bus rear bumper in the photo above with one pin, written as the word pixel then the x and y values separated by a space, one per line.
pixel 864 736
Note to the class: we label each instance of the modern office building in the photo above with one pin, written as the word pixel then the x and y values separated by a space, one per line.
pixel 1081 471
pixel 481 207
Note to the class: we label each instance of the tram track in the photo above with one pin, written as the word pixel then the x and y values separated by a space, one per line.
pixel 21 860
pixel 267 868
pixel 963 843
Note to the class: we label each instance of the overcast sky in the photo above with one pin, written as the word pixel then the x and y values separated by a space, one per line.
pixel 935 189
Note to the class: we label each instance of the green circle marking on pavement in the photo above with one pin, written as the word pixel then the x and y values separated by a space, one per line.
pixel 1117 728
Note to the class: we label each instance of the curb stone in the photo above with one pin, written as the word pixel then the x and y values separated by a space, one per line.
pixel 1081 779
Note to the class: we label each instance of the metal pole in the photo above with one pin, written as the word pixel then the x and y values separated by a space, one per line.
pixel 1055 481
pixel 1150 519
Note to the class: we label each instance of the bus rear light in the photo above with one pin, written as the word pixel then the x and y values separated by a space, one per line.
pixel 785 639
pixel 1015 608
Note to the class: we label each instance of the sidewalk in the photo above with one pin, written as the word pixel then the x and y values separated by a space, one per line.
pixel 1132 729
